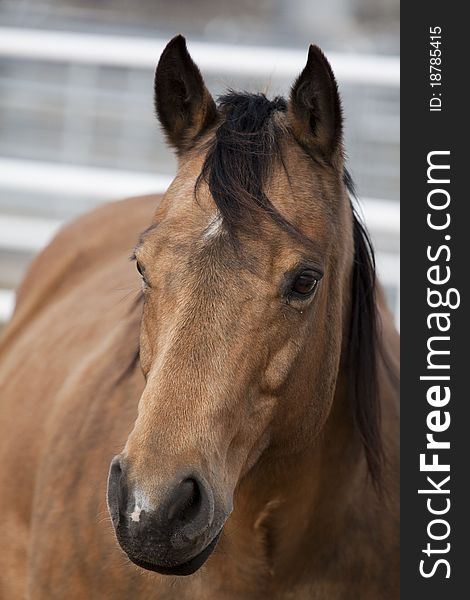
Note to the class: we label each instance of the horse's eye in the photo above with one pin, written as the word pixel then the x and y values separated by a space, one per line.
pixel 305 283
pixel 139 268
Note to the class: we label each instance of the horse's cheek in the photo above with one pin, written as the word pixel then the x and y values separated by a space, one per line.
pixel 279 366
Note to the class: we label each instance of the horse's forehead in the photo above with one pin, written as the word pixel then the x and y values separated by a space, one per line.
pixel 298 189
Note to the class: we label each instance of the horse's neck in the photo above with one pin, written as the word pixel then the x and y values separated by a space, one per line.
pixel 307 513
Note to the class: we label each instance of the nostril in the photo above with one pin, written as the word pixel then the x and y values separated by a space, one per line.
pixel 117 490
pixel 190 511
pixel 115 468
pixel 186 503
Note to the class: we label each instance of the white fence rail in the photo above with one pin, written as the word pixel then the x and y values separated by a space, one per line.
pixel 74 180
pixel 132 52
pixel 7 303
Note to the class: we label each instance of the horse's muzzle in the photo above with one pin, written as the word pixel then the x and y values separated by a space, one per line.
pixel 174 538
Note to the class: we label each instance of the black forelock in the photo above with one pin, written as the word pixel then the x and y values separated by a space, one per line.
pixel 241 156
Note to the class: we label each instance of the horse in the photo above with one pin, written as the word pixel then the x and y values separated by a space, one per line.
pixel 222 421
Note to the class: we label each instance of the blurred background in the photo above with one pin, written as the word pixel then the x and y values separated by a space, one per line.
pixel 77 125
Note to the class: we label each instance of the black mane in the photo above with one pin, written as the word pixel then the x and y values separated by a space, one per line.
pixel 238 164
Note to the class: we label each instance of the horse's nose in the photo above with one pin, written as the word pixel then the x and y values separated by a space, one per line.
pixel 183 514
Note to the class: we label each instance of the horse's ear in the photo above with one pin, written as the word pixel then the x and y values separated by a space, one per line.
pixel 315 115
pixel 184 106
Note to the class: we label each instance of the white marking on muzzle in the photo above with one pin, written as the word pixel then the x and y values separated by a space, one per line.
pixel 135 515
pixel 142 503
